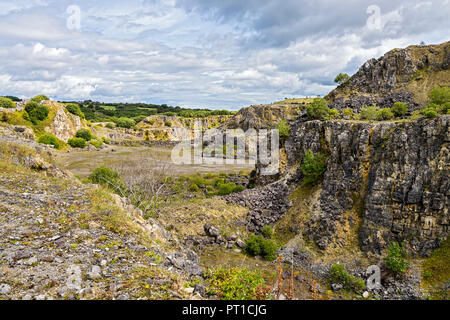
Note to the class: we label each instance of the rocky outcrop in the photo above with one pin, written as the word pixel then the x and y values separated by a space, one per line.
pixel 404 75
pixel 64 125
pixel 267 204
pixel 262 116
pixel 173 128
pixel 393 176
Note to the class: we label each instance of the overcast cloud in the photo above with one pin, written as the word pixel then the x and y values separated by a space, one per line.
pixel 194 53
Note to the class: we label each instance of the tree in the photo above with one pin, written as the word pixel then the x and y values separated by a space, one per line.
pixel 313 167
pixel 318 109
pixel 36 112
pixel 342 78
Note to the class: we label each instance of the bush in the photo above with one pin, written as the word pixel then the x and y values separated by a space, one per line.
pixel 369 112
pixel 342 78
pixel 396 258
pixel 338 274
pixel 39 98
pixel 6 103
pixel 108 178
pixel 105 140
pixel 96 143
pixel 109 126
pixel 168 124
pixel 125 122
pixel 256 245
pixel 385 114
pixel 74 109
pixel 400 109
pixel 48 138
pixel 430 112
pixel 238 188
pixel 194 188
pixel 317 109
pixel 313 168
pixel 439 96
pixel 226 188
pixel 283 130
pixel 36 112
pixel 234 283
pixel 267 232
pixel 84 134
pixel 77 142
pixel 348 113
pixel 332 114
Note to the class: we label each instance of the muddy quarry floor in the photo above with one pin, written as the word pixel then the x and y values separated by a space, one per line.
pixel 83 163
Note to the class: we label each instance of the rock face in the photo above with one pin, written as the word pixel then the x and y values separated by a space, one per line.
pixel 395 176
pixel 64 125
pixel 173 128
pixel 261 117
pixel 404 75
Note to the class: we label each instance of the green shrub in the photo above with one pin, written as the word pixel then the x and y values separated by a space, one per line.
pixel 430 112
pixel 226 188
pixel 238 188
pixel 84 134
pixel 77 142
pixel 342 78
pixel 35 112
pixel 234 283
pixel 74 109
pixel 385 114
pixel 396 258
pixel 109 126
pixel 283 129
pixel 317 109
pixel 267 232
pixel 313 168
pixel 96 143
pixel 439 96
pixel 369 112
pixel 338 274
pixel 256 245
pixel 48 138
pixel 332 114
pixel 194 188
pixel 168 124
pixel 39 98
pixel 7 103
pixel 125 122
pixel 347 112
pixel 400 109
pixel 106 140
pixel 108 178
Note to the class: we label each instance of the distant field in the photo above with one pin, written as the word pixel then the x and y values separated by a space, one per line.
pixel 112 108
pixel 297 100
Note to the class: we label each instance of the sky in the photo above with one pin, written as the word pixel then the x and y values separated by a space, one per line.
pixel 193 53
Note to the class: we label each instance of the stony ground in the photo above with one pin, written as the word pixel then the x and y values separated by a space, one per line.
pixel 63 240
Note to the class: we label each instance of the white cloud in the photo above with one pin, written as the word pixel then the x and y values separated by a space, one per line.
pixel 197 53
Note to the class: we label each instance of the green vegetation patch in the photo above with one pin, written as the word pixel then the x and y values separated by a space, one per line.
pixel 339 275
pixel 235 283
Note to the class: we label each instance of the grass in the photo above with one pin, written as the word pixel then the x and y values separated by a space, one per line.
pixel 295 100
pixel 436 271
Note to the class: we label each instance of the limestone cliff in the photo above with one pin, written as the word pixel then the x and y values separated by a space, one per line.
pixel 394 176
